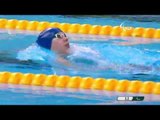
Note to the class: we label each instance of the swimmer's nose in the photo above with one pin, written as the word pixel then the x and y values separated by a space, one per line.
pixel 65 39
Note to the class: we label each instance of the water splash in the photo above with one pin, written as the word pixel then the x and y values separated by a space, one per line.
pixel 98 60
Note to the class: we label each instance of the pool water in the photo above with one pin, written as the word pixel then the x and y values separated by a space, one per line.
pixel 100 58
pixel 108 57
pixel 34 95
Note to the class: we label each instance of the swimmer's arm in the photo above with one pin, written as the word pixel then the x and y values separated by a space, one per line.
pixel 141 67
pixel 66 62
pixel 134 42
pixel 63 61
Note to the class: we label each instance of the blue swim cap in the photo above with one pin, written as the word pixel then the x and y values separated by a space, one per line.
pixel 45 37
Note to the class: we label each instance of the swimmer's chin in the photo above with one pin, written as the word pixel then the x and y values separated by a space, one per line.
pixel 67 45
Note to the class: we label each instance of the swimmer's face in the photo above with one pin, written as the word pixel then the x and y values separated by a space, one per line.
pixel 60 43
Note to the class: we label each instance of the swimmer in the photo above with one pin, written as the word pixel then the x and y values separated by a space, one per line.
pixel 56 40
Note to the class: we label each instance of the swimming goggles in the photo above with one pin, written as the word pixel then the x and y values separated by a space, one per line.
pixel 60 35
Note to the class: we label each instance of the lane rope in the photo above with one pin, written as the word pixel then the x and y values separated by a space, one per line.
pixel 136 86
pixel 81 28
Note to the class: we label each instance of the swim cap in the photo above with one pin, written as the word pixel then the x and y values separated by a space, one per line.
pixel 45 38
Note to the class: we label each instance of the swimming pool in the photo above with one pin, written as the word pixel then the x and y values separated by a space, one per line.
pixel 124 50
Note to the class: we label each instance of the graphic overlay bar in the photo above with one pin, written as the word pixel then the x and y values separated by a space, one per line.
pixel 130 98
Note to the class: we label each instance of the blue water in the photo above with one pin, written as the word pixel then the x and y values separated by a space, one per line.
pixel 98 56
pixel 107 59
